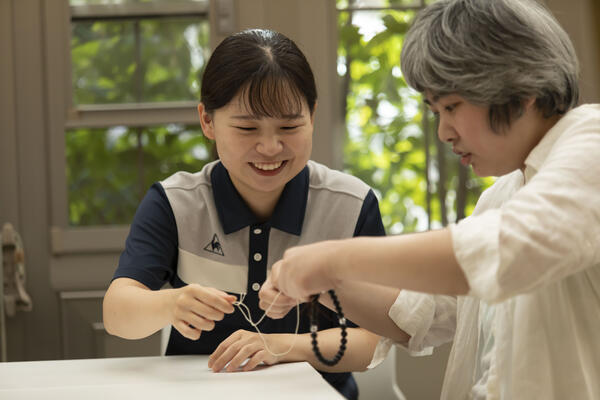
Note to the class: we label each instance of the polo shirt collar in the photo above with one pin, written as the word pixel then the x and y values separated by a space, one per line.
pixel 234 213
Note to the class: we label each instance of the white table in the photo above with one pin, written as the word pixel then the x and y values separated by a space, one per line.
pixel 165 378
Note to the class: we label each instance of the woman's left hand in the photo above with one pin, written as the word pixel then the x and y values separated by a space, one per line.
pixel 244 345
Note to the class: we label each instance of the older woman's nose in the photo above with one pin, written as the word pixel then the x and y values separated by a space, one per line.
pixel 446 132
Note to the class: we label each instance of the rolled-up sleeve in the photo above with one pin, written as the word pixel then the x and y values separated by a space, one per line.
pixel 430 320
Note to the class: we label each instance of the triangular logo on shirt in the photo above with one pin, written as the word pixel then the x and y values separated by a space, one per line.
pixel 214 246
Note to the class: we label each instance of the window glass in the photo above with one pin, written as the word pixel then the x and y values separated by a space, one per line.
pixel 124 61
pixel 110 170
pixel 128 56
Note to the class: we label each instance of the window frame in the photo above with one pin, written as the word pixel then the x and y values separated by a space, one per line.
pixel 62 114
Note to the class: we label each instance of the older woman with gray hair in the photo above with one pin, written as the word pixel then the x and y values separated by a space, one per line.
pixel 516 285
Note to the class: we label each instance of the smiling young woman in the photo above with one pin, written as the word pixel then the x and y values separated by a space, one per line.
pixel 213 235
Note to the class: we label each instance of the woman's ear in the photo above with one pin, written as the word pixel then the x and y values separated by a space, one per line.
pixel 206 121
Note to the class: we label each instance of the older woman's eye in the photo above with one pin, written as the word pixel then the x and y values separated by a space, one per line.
pixel 451 107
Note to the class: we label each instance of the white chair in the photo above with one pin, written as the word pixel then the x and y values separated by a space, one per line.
pixel 402 377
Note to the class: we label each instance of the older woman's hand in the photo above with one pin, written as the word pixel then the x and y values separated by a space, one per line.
pixel 275 303
pixel 307 270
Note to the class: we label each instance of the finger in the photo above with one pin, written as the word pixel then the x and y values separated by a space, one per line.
pixel 271 295
pixel 267 291
pixel 242 355
pixel 229 298
pixel 280 310
pixel 217 299
pixel 206 311
pixel 186 330
pixel 222 304
pixel 275 312
pixel 275 315
pixel 258 358
pixel 281 301
pixel 281 279
pixel 274 276
pixel 222 347
pixel 226 356
pixel 187 306
pixel 198 322
pixel 286 303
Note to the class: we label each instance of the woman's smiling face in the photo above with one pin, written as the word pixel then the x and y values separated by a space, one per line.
pixel 261 154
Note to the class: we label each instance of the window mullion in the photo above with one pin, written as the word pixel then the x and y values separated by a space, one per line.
pixel 135 114
pixel 140 10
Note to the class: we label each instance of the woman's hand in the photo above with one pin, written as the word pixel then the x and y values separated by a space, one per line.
pixel 195 309
pixel 244 345
pixel 307 270
pixel 275 304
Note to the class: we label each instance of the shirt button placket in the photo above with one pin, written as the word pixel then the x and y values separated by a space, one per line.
pixel 257 271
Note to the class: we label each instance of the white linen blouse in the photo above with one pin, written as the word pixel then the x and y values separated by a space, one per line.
pixel 531 250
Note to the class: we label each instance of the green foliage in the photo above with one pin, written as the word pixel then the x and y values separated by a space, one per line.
pixel 138 61
pixel 109 171
pixel 386 141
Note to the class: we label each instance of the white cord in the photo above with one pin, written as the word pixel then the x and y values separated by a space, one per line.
pixel 246 313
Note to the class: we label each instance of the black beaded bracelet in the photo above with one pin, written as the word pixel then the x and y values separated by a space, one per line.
pixel 314 328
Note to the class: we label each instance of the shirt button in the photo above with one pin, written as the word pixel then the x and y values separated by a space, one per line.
pixel 257 231
pixel 256 286
pixel 257 256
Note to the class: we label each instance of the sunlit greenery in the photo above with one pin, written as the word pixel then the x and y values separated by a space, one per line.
pixel 386 140
pixel 109 171
pixel 132 61
pixel 390 143
pixel 127 61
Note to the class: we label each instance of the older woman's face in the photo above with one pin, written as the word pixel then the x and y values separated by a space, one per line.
pixel 466 127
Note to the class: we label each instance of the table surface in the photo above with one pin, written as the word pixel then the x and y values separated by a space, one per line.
pixel 158 378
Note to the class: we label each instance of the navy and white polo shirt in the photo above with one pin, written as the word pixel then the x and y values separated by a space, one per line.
pixel 196 228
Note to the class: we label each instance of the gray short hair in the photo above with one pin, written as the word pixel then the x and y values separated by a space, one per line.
pixel 494 53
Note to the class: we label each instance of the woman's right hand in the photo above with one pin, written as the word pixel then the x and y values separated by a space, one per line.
pixel 275 304
pixel 195 309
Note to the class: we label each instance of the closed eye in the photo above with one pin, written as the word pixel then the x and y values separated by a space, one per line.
pixel 451 107
pixel 245 128
pixel 290 128
pixel 432 109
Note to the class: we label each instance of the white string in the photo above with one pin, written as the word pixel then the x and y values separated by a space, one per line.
pixel 246 313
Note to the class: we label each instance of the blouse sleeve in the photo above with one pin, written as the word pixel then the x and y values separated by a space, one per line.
pixel 430 320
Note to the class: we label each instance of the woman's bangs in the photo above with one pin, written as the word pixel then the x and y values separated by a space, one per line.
pixel 272 97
